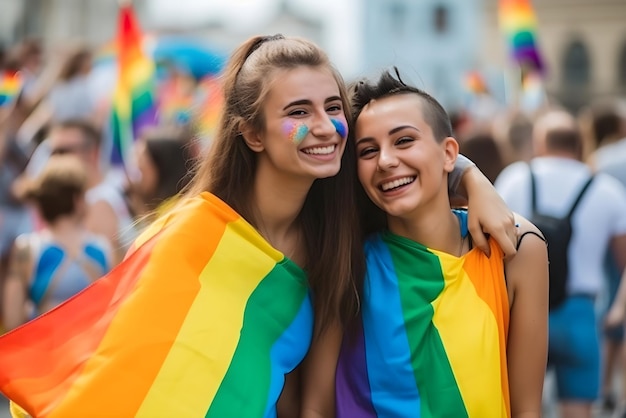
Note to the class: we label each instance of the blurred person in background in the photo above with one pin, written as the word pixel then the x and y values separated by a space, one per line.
pixel 51 265
pixel 606 126
pixel 519 138
pixel 598 225
pixel 15 218
pixel 30 55
pixel 484 151
pixel 108 212
pixel 68 94
pixel 163 159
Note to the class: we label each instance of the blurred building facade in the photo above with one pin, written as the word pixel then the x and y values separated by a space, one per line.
pixel 583 43
pixel 433 42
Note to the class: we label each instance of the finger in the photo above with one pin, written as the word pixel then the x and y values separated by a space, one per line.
pixel 479 239
pixel 507 240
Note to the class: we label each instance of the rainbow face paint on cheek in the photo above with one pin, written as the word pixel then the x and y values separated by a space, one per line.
pixel 341 127
pixel 296 132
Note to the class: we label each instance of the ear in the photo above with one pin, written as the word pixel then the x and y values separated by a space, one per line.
pixel 252 138
pixel 450 149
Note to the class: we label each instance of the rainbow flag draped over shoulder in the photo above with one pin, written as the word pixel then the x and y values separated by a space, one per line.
pixel 519 24
pixel 432 337
pixel 10 85
pixel 134 100
pixel 203 318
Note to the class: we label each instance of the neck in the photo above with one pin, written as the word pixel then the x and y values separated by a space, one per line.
pixel 435 227
pixel 278 201
pixel 66 225
pixel 562 154
pixel 94 178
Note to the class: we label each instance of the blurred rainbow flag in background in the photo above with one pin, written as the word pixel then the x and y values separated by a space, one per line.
pixel 211 101
pixel 10 85
pixel 134 100
pixel 519 24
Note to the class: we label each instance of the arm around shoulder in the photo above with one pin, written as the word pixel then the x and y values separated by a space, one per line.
pixel 527 345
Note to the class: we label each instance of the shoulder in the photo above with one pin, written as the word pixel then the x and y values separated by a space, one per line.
pixel 608 184
pixel 98 241
pixel 525 229
pixel 532 247
pixel 512 175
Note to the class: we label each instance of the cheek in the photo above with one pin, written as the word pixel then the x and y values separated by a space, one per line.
pixel 148 174
pixel 364 172
pixel 295 132
pixel 341 127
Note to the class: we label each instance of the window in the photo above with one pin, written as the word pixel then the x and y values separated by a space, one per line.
pixel 440 19
pixel 576 65
pixel 397 14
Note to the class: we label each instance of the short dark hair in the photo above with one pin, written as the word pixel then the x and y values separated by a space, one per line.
pixel 371 218
pixel 91 134
pixel 364 91
pixel 564 139
pixel 606 122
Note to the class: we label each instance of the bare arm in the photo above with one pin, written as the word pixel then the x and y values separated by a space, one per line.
pixel 18 275
pixel 617 312
pixel 488 213
pixel 527 345
pixel 289 401
pixel 318 378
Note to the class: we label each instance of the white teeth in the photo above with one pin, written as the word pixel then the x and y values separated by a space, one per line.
pixel 397 183
pixel 320 150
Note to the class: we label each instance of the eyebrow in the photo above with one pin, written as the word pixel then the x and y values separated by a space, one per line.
pixel 309 102
pixel 391 132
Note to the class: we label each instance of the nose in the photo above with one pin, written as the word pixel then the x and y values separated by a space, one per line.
pixel 386 159
pixel 323 127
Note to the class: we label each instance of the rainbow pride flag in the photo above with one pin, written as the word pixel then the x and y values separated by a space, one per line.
pixel 203 319
pixel 519 24
pixel 209 105
pixel 432 337
pixel 134 100
pixel 10 86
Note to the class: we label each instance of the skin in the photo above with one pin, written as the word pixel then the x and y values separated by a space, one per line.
pixel 149 172
pixel 304 95
pixel 69 232
pixel 393 143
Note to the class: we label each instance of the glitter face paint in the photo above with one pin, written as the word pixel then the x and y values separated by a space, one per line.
pixel 296 132
pixel 340 127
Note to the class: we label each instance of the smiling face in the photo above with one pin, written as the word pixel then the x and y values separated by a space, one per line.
pixel 401 165
pixel 305 125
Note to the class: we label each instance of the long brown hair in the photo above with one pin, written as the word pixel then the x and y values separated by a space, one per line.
pixel 334 261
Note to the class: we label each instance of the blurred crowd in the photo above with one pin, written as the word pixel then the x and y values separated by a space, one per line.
pixel 540 159
pixel 67 215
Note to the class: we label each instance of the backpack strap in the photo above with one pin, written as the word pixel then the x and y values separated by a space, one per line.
pixel 580 196
pixel 533 193
pixel 533 189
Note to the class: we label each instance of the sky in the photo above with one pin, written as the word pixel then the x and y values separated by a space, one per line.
pixel 339 18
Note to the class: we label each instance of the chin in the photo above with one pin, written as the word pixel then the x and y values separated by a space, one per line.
pixel 327 172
